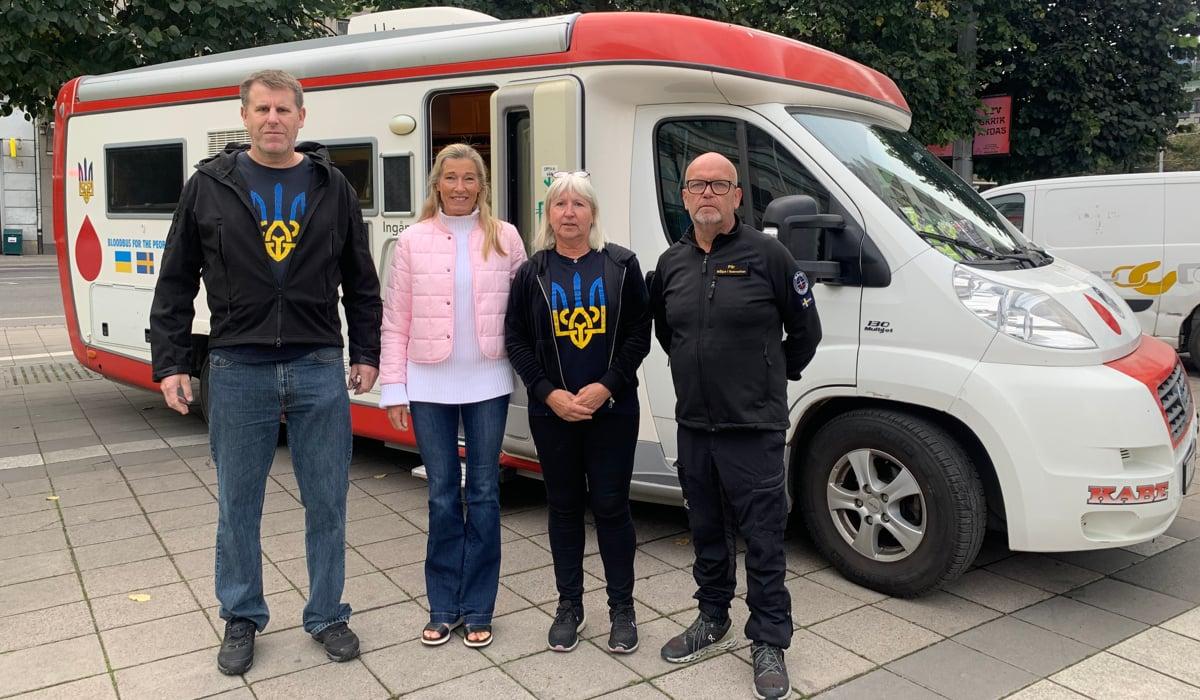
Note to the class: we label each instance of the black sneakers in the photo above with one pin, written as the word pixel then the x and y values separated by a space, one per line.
pixel 622 636
pixel 702 638
pixel 237 649
pixel 770 673
pixel 340 643
pixel 569 621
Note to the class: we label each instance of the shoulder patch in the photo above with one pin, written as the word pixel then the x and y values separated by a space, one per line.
pixel 800 283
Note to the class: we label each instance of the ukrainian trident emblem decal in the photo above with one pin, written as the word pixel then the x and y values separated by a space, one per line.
pixel 579 323
pixel 86 184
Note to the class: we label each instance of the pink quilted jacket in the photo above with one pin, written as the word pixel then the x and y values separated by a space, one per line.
pixel 418 314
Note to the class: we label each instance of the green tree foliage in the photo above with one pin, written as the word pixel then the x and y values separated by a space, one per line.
pixel 1098 88
pixel 44 43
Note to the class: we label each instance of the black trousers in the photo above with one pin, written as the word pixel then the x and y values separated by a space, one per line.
pixel 589 463
pixel 733 481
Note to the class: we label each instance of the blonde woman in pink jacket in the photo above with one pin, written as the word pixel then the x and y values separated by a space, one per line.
pixel 443 360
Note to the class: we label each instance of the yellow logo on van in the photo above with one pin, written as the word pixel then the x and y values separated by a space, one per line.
pixel 1137 278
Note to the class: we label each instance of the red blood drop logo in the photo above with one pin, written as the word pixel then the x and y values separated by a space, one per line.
pixel 88 256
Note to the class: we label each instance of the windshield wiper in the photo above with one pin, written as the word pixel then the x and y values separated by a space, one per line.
pixel 1033 256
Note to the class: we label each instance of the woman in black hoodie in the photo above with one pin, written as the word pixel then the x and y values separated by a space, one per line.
pixel 577 328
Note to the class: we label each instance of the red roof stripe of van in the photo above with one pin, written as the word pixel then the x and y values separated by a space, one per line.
pixel 632 37
pixel 1150 364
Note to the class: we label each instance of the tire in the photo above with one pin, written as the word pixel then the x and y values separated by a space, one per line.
pixel 1193 344
pixel 924 531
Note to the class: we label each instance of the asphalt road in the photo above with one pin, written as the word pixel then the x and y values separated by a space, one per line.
pixel 29 292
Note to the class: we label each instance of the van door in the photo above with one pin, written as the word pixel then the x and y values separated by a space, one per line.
pixel 770 164
pixel 1180 301
pixel 536 130
pixel 1113 229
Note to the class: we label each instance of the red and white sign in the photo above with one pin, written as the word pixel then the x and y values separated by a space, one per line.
pixel 1127 495
pixel 995 123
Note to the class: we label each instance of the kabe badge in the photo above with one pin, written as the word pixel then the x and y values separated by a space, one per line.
pixel 800 283
pixel 1138 494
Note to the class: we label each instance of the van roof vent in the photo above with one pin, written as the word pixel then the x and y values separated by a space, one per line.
pixel 217 140
pixel 415 18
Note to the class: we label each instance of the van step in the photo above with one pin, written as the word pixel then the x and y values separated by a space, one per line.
pixel 421 473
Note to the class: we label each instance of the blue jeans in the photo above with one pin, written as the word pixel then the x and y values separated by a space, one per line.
pixel 245 402
pixel 462 563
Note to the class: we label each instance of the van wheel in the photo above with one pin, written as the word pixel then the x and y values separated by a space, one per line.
pixel 893 501
pixel 202 392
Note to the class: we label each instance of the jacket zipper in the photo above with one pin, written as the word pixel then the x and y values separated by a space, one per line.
pixel 700 343
pixel 319 194
pixel 550 309
pixel 612 351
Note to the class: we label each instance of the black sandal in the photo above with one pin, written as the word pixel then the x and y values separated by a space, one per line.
pixel 443 629
pixel 477 629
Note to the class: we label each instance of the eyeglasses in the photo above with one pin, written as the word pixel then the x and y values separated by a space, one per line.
pixel 719 187
pixel 558 175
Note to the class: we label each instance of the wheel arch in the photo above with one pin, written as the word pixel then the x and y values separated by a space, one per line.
pixel 820 414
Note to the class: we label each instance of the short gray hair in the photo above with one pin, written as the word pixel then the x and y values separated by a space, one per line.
pixel 569 184
pixel 275 80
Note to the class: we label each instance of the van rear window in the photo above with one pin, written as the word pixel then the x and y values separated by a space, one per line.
pixel 143 179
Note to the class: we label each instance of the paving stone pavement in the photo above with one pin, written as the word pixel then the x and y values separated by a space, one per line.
pixel 134 512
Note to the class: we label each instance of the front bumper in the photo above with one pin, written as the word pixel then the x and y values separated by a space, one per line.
pixel 1084 455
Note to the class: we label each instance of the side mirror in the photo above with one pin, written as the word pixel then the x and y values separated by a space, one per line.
pixel 794 220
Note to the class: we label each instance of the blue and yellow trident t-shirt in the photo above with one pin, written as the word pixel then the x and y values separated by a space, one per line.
pixel 581 323
pixel 279 197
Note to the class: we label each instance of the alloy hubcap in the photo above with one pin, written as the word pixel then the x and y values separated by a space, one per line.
pixel 876 505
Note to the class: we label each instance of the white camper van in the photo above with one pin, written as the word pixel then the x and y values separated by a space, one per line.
pixel 1139 232
pixel 964 376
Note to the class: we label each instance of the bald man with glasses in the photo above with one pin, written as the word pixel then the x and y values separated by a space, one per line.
pixel 737 318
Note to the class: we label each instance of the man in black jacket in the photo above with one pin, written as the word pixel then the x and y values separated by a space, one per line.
pixel 723 295
pixel 274 230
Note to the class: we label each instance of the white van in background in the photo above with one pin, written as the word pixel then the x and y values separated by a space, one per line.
pixel 1140 232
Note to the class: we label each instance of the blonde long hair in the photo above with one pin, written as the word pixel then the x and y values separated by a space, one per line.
pixel 489 223
pixel 569 184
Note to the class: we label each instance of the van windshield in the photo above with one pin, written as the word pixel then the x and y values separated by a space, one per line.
pixel 941 208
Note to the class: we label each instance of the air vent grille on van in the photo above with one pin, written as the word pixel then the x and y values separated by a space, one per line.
pixel 217 140
pixel 1176 399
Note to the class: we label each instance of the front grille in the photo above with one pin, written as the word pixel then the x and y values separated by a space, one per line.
pixel 1176 399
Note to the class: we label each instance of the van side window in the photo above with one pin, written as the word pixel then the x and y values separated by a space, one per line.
pixel 676 144
pixel 143 179
pixel 355 161
pixel 766 169
pixel 775 173
pixel 1011 207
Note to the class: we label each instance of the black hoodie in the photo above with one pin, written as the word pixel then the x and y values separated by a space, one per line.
pixel 215 235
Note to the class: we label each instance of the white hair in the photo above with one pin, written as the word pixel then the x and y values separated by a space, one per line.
pixel 564 185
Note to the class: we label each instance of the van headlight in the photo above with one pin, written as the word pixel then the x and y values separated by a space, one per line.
pixel 1027 315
